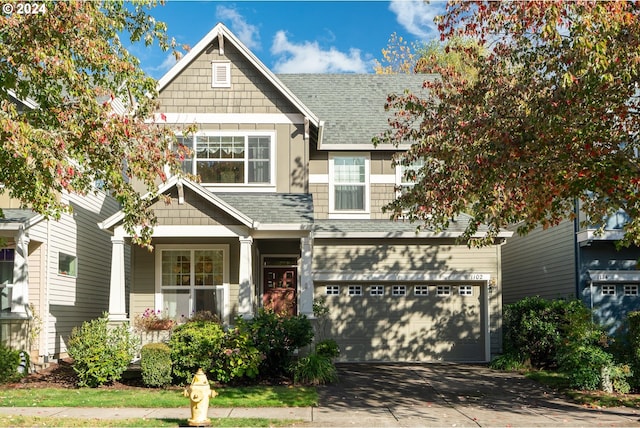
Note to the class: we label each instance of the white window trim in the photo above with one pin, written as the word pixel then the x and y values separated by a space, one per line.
pixel 159 304
pixel 333 288
pixel 446 290
pixel 465 290
pixel 398 290
pixel 377 287
pixel 339 214
pixel 67 275
pixel 220 83
pixel 263 187
pixel 424 290
pixel 602 287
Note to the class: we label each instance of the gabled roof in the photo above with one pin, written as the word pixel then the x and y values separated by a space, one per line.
pixel 352 105
pixel 254 210
pixel 195 187
pixel 228 36
pixel 14 219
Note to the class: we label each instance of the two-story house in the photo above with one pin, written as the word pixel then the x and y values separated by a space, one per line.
pixel 569 261
pixel 288 210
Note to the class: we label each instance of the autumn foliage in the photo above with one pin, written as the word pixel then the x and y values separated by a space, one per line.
pixel 551 118
pixel 74 103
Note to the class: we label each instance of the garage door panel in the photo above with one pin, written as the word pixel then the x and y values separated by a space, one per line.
pixel 407 328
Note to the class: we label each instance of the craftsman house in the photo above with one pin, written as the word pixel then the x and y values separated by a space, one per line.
pixel 288 210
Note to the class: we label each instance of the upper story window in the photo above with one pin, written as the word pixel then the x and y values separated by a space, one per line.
pixel 349 183
pixel 67 265
pixel 408 175
pixel 231 159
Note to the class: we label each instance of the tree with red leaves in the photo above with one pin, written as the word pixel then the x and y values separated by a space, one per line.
pixel 551 119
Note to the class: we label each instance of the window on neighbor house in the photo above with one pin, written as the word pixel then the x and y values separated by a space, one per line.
pixel 608 290
pixel 245 159
pixel 631 289
pixel 7 256
pixel 192 280
pixel 67 265
pixel 348 177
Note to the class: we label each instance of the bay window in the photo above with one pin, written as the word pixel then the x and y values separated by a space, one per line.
pixel 230 159
pixel 193 279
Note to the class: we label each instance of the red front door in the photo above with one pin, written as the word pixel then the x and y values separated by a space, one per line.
pixel 280 284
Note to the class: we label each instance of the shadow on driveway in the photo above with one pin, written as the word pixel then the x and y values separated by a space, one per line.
pixel 473 391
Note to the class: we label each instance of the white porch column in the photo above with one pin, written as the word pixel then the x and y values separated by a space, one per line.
pixel 117 305
pixel 20 291
pixel 245 294
pixel 305 302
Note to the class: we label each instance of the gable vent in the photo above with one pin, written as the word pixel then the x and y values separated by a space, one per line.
pixel 221 74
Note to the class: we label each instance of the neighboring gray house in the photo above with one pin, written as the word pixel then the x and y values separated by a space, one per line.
pixel 288 210
pixel 568 261
pixel 57 268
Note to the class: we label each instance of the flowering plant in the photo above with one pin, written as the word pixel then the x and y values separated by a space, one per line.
pixel 152 320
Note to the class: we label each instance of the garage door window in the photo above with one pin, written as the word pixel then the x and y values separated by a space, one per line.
pixel 377 290
pixel 332 290
pixel 465 290
pixel 421 290
pixel 631 290
pixel 399 290
pixel 355 290
pixel 608 290
pixel 443 290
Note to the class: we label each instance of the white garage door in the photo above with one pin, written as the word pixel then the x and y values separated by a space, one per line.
pixel 405 322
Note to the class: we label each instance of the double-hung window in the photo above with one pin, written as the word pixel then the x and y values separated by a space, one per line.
pixel 349 183
pixel 231 159
pixel 193 279
pixel 7 257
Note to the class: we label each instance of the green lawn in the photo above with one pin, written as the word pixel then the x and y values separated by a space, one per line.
pixel 559 381
pixel 250 396
pixel 32 421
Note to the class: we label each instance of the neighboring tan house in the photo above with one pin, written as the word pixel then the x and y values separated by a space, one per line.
pixel 54 275
pixel 288 210
pixel 568 261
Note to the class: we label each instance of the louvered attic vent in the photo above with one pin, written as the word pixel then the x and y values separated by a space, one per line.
pixel 221 74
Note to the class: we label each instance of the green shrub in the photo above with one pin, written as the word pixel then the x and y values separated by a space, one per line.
pixel 194 345
pixel 9 363
pixel 633 346
pixel 534 328
pixel 315 369
pixel 238 358
pixel 508 362
pixel 100 353
pixel 276 337
pixel 155 362
pixel 584 365
pixel 328 348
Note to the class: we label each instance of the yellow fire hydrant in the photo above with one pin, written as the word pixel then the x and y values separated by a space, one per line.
pixel 199 393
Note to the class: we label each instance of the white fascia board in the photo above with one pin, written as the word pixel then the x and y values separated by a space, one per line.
pixel 224 118
pixel 364 147
pixel 27 101
pixel 228 35
pixel 191 231
pixel 592 235
pixel 409 235
pixel 400 276
pixel 284 226
pixel 614 276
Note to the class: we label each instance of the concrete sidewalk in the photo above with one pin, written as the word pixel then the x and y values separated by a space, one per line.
pixel 429 415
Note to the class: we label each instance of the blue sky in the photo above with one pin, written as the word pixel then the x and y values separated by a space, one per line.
pixel 298 36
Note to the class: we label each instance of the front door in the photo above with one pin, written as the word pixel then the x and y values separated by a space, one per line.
pixel 279 285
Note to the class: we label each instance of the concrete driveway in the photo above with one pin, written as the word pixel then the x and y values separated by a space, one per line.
pixel 447 394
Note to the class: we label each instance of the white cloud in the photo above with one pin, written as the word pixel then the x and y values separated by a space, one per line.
pixel 309 57
pixel 169 61
pixel 247 33
pixel 416 16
